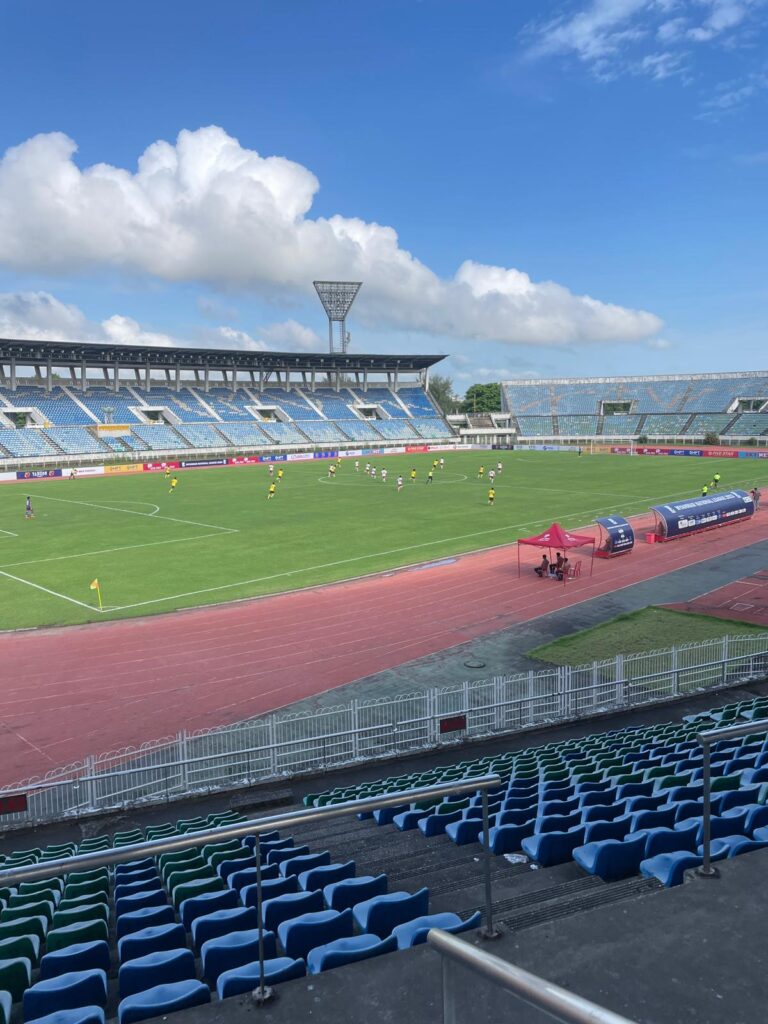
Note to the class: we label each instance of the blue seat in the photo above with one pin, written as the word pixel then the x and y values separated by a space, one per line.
pixel 273 887
pixel 345 894
pixel 690 792
pixel 669 868
pixel 507 838
pixel 318 878
pixel 206 903
pixel 731 846
pixel 145 918
pixel 598 830
pixel 689 809
pixel 65 992
pixel 151 940
pixel 594 787
pixel 645 803
pixel 295 865
pixel 132 866
pixel 161 1000
pixel 221 922
pixel 271 838
pixel 348 951
pixel 755 775
pixel 246 978
pixel 629 789
pixel 234 950
pixel 668 840
pixel 407 820
pixel 140 900
pixel 290 904
pixel 82 1015
pixel 386 815
pixel 747 799
pixel 131 888
pixel 248 876
pixel 466 831
pixel 434 824
pixel 381 914
pixel 559 806
pixel 550 848
pixel 560 822
pixel 595 797
pixel 512 817
pixel 135 874
pixel 277 856
pixel 301 934
pixel 611 859
pixel 662 818
pixel 155 969
pixel 81 956
pixel 226 868
pixel 601 812
pixel 413 933
pixel 522 803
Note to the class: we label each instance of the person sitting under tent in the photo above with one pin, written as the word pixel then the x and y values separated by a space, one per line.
pixel 543 569
pixel 562 569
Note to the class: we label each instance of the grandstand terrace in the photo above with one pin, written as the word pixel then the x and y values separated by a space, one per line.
pixel 69 400
pixel 732 405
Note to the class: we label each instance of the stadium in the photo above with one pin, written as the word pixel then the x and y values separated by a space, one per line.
pixel 290 701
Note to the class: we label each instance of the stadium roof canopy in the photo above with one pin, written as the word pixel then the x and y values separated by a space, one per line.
pixel 65 353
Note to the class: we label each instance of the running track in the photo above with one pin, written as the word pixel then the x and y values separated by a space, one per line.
pixel 88 689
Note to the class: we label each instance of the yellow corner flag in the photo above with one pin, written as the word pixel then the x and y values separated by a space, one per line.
pixel 95 585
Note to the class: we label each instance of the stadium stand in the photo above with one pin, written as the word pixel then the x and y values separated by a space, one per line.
pixel 283 433
pixel 665 424
pixel 327 433
pixel 159 437
pixel 75 440
pixel 55 406
pixel 749 424
pixel 396 429
pixel 577 426
pixel 201 435
pixel 245 434
pixel 360 430
pixel 382 397
pixel 334 405
pixel 621 426
pixel 293 404
pixel 536 426
pixel 431 427
pixel 228 404
pixel 417 402
pixel 710 422
pixel 121 402
pixel 25 443
pixel 182 403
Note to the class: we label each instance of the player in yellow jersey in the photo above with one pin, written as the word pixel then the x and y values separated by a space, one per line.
pixel 413 476
pixel 167 473
pixel 491 495
pixel 280 473
pixel 174 483
pixel 272 491
pixel 481 473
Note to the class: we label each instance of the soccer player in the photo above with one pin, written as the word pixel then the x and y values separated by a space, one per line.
pixel 280 474
pixel 716 481
pixel 357 465
pixel 72 474
pixel 399 483
pixel 272 491
pixel 704 491
pixel 332 470
pixel 413 476
pixel 435 464
pixel 271 469
pixel 384 475
pixel 481 473
pixel 368 468
pixel 174 483
pixel 167 473
pixel 373 472
pixel 499 468
pixel 491 495
pixel 29 512
pixel 430 476
pixel 442 462
pixel 491 475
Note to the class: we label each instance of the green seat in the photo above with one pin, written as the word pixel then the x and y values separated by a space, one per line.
pixel 94 844
pixel 240 854
pixel 17 855
pixel 211 848
pixel 97 875
pixel 82 931
pixel 622 780
pixel 674 780
pixel 449 806
pixel 38 908
pixel 15 976
pixel 175 878
pixel 160 831
pixel 179 857
pixel 43 885
pixel 21 899
pixel 94 888
pixel 589 777
pixel 24 926
pixel 5 894
pixel 309 799
pixel 722 783
pixel 76 915
pixel 80 901
pixel 27 946
pixel 191 824
pixel 62 849
pixel 187 890
pixel 127 838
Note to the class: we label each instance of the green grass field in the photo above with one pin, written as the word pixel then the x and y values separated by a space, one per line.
pixel 650 629
pixel 218 539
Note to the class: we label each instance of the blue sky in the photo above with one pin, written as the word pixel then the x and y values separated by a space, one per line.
pixel 535 188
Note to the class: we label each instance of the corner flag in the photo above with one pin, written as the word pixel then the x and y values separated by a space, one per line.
pixel 95 585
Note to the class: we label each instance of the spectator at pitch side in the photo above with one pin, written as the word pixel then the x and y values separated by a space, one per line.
pixel 562 570
pixel 542 570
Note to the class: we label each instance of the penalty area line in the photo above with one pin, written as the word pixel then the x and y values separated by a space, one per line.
pixel 133 512
pixel 53 593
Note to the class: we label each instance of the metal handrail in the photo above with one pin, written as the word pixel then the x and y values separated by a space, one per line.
pixel 544 995
pixel 706 739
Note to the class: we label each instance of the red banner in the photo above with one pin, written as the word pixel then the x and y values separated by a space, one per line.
pixel 416 448
pixel 159 467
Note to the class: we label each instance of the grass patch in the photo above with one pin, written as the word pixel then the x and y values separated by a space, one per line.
pixel 646 630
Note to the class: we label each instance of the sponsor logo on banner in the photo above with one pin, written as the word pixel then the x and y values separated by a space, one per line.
pixel 156 467
pixel 299 457
pixel 37 474
pixel 85 471
pixel 413 448
pixel 325 455
pixel 753 455
pixel 273 458
pixel 243 460
pixel 130 467
pixel 681 518
pixel 203 463
pixel 353 454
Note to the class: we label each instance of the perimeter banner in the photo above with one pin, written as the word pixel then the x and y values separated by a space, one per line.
pixel 158 467
pixel 680 518
pixel 37 474
pixel 126 467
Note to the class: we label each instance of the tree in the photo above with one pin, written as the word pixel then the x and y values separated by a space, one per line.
pixel 441 391
pixel 711 438
pixel 482 398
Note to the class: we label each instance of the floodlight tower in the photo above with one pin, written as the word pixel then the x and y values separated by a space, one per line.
pixel 337 298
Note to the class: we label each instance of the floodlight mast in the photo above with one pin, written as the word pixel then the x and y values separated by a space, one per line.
pixel 337 298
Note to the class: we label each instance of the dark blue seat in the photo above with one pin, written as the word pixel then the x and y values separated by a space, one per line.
pixel 65 992
pixel 81 956
pixel 381 914
pixel 347 951
pixel 507 838
pixel 267 844
pixel 407 820
pixel 598 797
pixel 151 940
pixel 730 846
pixel 138 919
pixel 206 903
pixel 386 815
pixel 598 830
pixel 132 866
pixel 161 1000
pixel 345 894
pixel 248 876
pixel 234 950
pixel 662 818
pixel 246 978
pixel 269 890
pixel 131 888
pixel 220 922
pixel 286 853
pixel 82 1015
pixel 667 840
pixel 734 798
pixel 271 837
pixel 689 809
pixel 757 816
pixel 559 806
pixel 155 969
pixel 593 787
pixel 518 817
pixel 676 794
pixel 434 824
pixel 465 831
pixel 521 803
pixel 226 868
pixel 303 933
pixel 669 868
pixel 140 900
pixel 550 848
pixel 318 878
pixel 611 859
pixel 414 932
pixel 645 803
pixel 295 865
pixel 755 775
pixel 628 789
pixel 558 822
pixel 290 904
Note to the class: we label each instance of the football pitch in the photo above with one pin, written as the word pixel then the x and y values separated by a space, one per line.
pixel 218 539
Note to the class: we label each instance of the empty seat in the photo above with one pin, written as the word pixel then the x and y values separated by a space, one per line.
pixel 21 945
pixel 295 865
pixel 234 950
pixel 155 969
pixel 81 956
pixel 550 848
pixel 669 868
pixel 611 859
pixel 220 922
pixel 320 877
pixel 163 999
pixel 300 934
pixel 273 887
pixel 206 903
pixel 139 900
pixel 381 914
pixel 347 951
pixel 345 894
pixel 155 939
pixel 15 976
pixel 289 905
pixel 5 1008
pixel 72 934
pixel 413 933
pixel 66 992
pixel 277 856
pixel 82 1015
pixel 247 978
pixel 145 918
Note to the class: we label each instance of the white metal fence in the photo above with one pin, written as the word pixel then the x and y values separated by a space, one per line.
pixel 281 746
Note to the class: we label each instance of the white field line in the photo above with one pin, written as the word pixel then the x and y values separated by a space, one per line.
pixel 8 533
pixel 111 551
pixel 53 593
pixel 133 512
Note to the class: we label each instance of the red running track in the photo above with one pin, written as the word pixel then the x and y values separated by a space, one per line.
pixel 746 600
pixel 87 689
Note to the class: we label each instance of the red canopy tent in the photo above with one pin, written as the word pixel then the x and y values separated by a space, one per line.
pixel 557 538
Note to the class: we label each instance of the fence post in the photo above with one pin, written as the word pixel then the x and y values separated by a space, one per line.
pixel 272 740
pixel 90 789
pixel 181 740
pixel 531 687
pixel 498 715
pixel 725 655
pixel 619 669
pixel 355 729
pixel 675 672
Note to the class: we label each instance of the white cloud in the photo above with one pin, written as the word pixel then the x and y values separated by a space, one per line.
pixel 659 344
pixel 290 335
pixel 732 96
pixel 211 211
